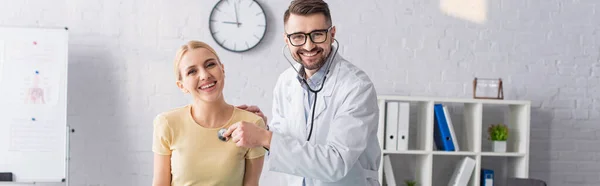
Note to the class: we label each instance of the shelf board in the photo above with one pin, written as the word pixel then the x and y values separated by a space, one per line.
pixel 422 152
pixel 454 153
pixel 417 152
pixel 455 100
pixel 505 154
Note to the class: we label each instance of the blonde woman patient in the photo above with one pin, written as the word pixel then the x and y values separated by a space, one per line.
pixel 187 151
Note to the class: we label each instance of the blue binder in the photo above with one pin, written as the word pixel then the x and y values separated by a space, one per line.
pixel 487 177
pixel 441 133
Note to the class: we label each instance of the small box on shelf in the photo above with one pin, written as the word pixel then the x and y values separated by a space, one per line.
pixel 487 177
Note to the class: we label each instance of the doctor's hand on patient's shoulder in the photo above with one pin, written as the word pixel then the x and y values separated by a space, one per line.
pixel 253 109
pixel 249 135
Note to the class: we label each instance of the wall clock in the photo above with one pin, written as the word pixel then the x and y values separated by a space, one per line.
pixel 238 25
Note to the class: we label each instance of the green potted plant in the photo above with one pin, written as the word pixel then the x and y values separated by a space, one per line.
pixel 410 183
pixel 498 134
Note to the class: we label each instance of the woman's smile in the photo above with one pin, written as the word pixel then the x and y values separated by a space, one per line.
pixel 208 87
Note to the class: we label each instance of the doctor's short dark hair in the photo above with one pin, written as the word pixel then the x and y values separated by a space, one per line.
pixel 307 7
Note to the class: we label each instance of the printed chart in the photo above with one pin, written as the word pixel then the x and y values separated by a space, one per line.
pixel 34 135
pixel 37 82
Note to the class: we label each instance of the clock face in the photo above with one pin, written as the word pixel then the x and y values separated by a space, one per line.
pixel 238 25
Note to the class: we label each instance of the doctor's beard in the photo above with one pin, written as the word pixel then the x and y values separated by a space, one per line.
pixel 314 66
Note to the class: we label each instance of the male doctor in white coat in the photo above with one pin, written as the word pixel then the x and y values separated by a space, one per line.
pixel 341 146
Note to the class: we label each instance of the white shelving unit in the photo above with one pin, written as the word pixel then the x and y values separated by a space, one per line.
pixel 470 117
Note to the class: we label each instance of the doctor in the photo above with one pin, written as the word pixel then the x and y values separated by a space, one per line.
pixel 325 114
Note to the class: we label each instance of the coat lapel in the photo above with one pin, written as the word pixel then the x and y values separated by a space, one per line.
pixel 296 105
pixel 324 96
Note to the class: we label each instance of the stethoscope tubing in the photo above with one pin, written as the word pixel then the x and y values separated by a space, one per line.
pixel 332 57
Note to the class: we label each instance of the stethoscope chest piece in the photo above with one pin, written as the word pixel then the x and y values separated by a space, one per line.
pixel 220 134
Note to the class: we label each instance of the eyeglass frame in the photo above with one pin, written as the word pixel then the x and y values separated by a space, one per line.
pixel 308 35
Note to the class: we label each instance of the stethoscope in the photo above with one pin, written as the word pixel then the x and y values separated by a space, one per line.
pixel 331 57
pixel 312 119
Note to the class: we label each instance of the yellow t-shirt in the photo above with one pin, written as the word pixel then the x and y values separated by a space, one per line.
pixel 198 157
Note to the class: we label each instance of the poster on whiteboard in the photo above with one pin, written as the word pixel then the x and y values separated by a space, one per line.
pixel 34 75
pixel 34 135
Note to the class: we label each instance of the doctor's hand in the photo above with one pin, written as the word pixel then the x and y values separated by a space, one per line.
pixel 255 110
pixel 249 135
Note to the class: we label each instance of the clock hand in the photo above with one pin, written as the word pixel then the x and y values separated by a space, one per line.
pixel 229 22
pixel 236 15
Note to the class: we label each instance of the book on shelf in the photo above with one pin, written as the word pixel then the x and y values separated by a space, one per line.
pixel 388 171
pixel 403 125
pixel 451 128
pixel 441 133
pixel 487 177
pixel 397 125
pixel 462 172
pixel 391 125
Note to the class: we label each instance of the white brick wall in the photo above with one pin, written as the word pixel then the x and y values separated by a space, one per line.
pixel 547 51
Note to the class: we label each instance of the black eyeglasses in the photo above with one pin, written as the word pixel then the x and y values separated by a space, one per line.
pixel 316 36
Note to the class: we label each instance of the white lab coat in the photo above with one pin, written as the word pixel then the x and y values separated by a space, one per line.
pixel 343 149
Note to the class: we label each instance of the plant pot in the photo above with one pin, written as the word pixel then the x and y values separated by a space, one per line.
pixel 499 146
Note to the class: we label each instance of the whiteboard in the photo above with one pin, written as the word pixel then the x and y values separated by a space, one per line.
pixel 33 103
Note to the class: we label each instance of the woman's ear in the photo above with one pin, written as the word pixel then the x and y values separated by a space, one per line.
pixel 222 67
pixel 180 85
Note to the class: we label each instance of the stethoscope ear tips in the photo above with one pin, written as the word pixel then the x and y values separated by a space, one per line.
pixel 220 134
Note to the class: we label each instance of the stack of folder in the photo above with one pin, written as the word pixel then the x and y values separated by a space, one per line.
pixel 397 125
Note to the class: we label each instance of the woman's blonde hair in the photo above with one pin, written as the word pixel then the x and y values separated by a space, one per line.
pixel 190 45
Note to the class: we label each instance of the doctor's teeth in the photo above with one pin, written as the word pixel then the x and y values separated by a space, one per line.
pixel 309 54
